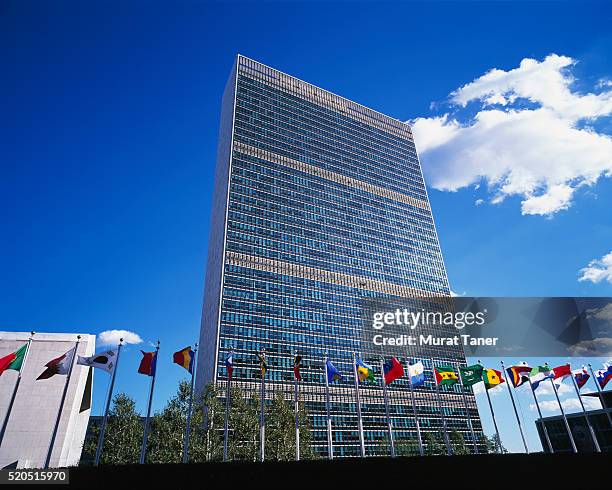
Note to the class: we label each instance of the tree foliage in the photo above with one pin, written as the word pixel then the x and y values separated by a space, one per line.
pixel 165 443
pixel 457 442
pixel 123 436
pixel 494 445
pixel 433 445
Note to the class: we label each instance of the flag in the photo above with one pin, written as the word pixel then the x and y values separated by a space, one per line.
pixel 332 373
pixel 365 372
pixel 185 358
pixel 560 373
pixel 416 372
pixel 392 370
pixel 539 374
pixel 229 364
pixel 604 375
pixel 102 360
pixel 445 375
pixel 492 378
pixel 59 365
pixel 470 375
pixel 297 365
pixel 581 376
pixel 14 360
pixel 263 364
pixel 148 364
pixel 518 374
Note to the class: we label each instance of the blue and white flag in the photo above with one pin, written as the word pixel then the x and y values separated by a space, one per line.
pixel 539 374
pixel 416 372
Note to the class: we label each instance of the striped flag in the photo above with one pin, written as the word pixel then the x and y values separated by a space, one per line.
pixel 148 363
pixel 492 378
pixel 184 358
pixel 518 374
pixel 539 374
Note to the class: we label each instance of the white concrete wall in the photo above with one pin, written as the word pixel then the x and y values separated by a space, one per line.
pixel 34 413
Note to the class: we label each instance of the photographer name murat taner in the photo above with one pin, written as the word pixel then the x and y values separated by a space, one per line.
pixel 432 340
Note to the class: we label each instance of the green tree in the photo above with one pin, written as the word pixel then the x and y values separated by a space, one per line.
pixel 123 436
pixel 243 439
pixel 165 444
pixel 166 437
pixel 458 443
pixel 407 447
pixel 280 430
pixel 433 445
pixel 494 445
pixel 211 429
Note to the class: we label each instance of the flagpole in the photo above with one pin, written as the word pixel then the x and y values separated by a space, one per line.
pixel 467 412
pixel 228 403
pixel 569 431
pixel 108 401
pixel 188 428
pixel 145 435
pixel 15 388
pixel 446 439
pixel 601 397
pixel 498 442
pixel 358 403
pixel 330 447
pixel 297 413
pixel 515 411
pixel 535 399
pixel 262 419
pixel 61 407
pixel 389 425
pixel 586 416
pixel 414 410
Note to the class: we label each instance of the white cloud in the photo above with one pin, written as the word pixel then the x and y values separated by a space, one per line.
pixel 570 404
pixel 598 270
pixel 479 389
pixel 599 347
pixel 604 314
pixel 112 337
pixel 528 137
pixel 545 388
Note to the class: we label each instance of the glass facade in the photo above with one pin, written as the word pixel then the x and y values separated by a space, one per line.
pixel 319 205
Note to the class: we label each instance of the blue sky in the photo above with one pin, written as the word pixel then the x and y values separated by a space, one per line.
pixel 109 135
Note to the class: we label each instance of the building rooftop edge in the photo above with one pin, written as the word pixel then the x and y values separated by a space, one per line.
pixel 403 123
pixel 48 336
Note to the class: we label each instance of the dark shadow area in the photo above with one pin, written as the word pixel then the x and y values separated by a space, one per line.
pixel 495 471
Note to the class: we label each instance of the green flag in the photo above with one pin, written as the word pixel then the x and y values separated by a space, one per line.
pixel 14 360
pixel 470 375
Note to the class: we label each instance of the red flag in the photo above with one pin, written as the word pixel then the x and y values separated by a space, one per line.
pixel 297 364
pixel 393 370
pixel 148 363
pixel 562 371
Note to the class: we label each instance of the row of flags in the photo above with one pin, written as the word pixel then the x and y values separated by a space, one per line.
pixel 106 361
pixel 389 371
pixel 470 375
pixel 444 376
